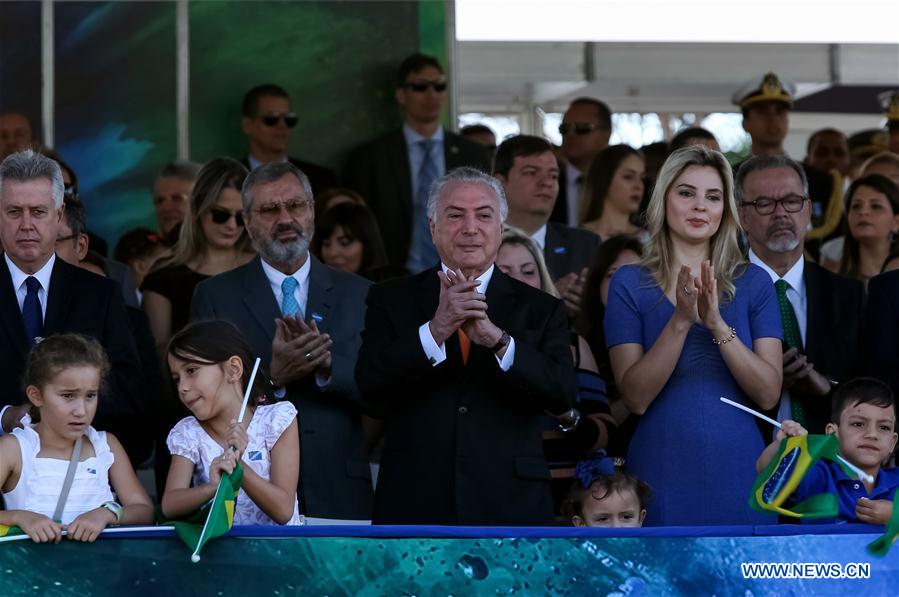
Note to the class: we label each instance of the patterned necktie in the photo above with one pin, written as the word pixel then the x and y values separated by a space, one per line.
pixel 289 304
pixel 464 346
pixel 792 339
pixel 422 253
pixel 31 311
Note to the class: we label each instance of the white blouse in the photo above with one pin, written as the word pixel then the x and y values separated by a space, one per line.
pixel 189 440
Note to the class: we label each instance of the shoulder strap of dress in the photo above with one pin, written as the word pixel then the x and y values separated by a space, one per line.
pixel 67 484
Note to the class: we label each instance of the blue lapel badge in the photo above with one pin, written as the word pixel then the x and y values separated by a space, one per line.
pixel 318 318
pixel 558 250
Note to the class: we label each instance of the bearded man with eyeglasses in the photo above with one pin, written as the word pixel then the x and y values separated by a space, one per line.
pixel 820 311
pixel 394 172
pixel 268 122
pixel 304 320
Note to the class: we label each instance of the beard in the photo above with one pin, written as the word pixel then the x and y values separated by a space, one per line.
pixel 782 239
pixel 286 252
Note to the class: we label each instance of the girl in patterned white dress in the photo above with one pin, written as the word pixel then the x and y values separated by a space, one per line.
pixel 63 375
pixel 211 363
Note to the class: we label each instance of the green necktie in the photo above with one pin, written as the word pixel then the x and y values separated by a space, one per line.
pixel 792 338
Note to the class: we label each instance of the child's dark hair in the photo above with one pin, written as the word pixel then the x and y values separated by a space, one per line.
pixel 861 390
pixel 213 342
pixel 602 487
pixel 55 353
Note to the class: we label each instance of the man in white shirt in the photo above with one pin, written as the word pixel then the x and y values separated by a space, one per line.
pixel 465 361
pixel 303 319
pixel 823 309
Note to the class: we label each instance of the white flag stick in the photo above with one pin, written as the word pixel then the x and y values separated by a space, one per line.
pixel 111 530
pixel 248 391
pixel 859 472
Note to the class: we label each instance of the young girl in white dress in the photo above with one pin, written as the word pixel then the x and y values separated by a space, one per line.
pixel 63 375
pixel 211 364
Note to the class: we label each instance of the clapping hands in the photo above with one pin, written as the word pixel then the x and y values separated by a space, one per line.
pixel 462 306
pixel 697 299
pixel 299 349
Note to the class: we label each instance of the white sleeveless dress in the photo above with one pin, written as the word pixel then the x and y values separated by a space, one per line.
pixel 188 439
pixel 42 478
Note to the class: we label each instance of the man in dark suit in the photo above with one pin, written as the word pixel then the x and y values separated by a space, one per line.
pixel 394 172
pixel 268 123
pixel 527 168
pixel 43 295
pixel 820 311
pixel 465 361
pixel 586 128
pixel 304 319
pixel 881 330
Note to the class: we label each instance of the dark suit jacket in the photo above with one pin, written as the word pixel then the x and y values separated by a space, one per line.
pixel 464 442
pixel 379 170
pixel 335 479
pixel 833 326
pixel 320 178
pixel 83 303
pixel 880 358
pixel 560 209
pixel 568 249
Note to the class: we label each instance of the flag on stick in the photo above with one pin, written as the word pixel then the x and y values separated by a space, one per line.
pixel 215 518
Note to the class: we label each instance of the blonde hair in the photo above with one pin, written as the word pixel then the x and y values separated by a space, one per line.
pixel 724 249
pixel 515 236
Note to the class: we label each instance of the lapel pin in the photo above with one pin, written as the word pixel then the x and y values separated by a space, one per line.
pixel 559 250
pixel 454 149
pixel 318 318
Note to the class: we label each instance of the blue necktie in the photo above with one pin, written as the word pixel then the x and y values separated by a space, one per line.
pixel 31 311
pixel 289 304
pixel 422 253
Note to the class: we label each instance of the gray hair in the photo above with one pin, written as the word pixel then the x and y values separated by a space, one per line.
pixel 466 175
pixel 29 165
pixel 758 163
pixel 271 172
pixel 181 169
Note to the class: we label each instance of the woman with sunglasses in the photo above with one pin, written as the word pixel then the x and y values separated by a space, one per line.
pixel 213 240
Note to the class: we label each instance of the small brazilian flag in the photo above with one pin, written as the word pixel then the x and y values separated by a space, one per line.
pixel 6 531
pixel 215 518
pixel 782 476
pixel 880 546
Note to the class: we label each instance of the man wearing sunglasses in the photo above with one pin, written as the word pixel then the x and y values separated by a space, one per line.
pixel 585 129
pixel 820 311
pixel 268 123
pixel 394 172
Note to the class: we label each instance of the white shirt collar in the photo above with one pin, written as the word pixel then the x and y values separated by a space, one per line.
pixel 539 237
pixel 483 279
pixel 43 275
pixel 794 276
pixel 254 163
pixel 276 278
pixel 413 136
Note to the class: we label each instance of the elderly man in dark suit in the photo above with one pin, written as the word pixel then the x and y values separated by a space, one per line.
pixel 821 312
pixel 394 172
pixel 529 172
pixel 304 319
pixel 465 360
pixel 41 294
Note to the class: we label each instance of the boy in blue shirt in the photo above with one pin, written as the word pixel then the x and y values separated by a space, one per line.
pixel 864 415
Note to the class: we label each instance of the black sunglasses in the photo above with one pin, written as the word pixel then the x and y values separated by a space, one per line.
pixel 421 87
pixel 290 119
pixel 579 128
pixel 221 216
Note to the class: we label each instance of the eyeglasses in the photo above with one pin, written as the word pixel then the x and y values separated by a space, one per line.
pixel 765 206
pixel 62 239
pixel 579 128
pixel 294 208
pixel 422 86
pixel 221 216
pixel 290 119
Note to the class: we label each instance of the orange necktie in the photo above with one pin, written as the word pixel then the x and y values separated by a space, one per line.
pixel 465 345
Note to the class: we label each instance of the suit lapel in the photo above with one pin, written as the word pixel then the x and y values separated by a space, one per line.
pixel 258 297
pixel 816 309
pixel 555 250
pixel 319 300
pixel 10 316
pixel 59 297
pixel 399 158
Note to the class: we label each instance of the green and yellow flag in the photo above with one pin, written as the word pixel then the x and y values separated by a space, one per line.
pixel 215 518
pixel 781 477
pixel 10 533
pixel 880 546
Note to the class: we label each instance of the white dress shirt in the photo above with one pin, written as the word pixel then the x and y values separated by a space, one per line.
pixel 437 354
pixel 799 300
pixel 539 237
pixel 42 275
pixel 276 278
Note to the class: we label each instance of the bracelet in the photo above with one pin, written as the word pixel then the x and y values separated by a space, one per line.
pixel 723 341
